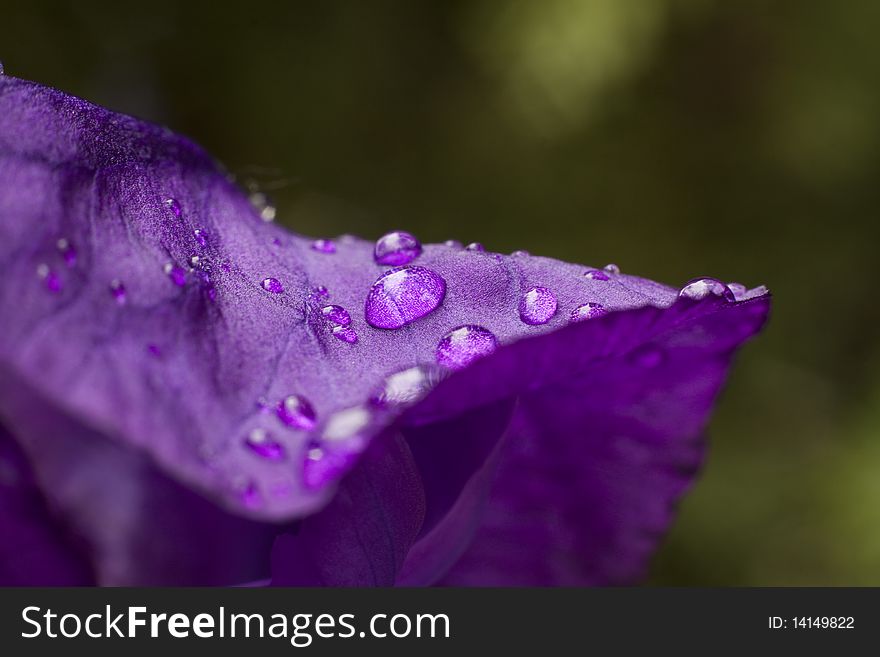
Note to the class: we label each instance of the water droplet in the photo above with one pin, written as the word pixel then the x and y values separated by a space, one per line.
pixel 173 205
pixel 267 214
pixel 537 306
pixel 250 496
pixel 596 275
pixel 403 295
pixel 2 72
pixel 296 411
pixel 322 466
pixel 336 315
pixel 50 279
pixel 452 244
pixel 475 246
pixel 201 237
pixel 738 289
pixel 405 387
pixel 700 288
pixel 321 291
pixel 272 285
pixel 117 289
pixel 68 252
pixel 175 273
pixel 463 345
pixel 647 356
pixel 520 254
pixel 347 424
pixel 589 310
pixel 194 261
pixel 263 444
pixel 611 269
pixel 396 248
pixel 324 246
pixel 345 333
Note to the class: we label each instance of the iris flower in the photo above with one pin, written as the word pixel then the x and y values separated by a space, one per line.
pixel 191 394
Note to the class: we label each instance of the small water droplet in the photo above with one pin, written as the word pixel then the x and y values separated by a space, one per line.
pixel 267 214
pixel 452 244
pixel 201 237
pixel 611 268
pixel 475 246
pixel 589 310
pixel 700 288
pixel 263 444
pixel 336 315
pixel 404 387
pixel 403 295
pixel 520 254
pixel 596 275
pixel 117 289
pixel 345 333
pixel 68 252
pixel 194 261
pixel 464 344
pixel 272 285
pixel 50 279
pixel 173 205
pixel 296 411
pixel 250 496
pixel 347 424
pixel 537 306
pixel 396 248
pixel 324 246
pixel 175 273
pixel 322 466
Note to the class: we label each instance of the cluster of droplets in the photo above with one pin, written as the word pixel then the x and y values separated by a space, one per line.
pixel 339 321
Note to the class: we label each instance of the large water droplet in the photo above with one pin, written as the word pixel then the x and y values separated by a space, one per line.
pixel 50 279
pixel 537 306
pixel 475 246
pixel 397 248
pixel 324 246
pixel 263 444
pixel 336 315
pixel 173 205
pixel 700 288
pixel 175 273
pixel 67 250
pixel 611 268
pixel 589 310
pixel 463 345
pixel 345 333
pixel 117 289
pixel 296 411
pixel 402 296
pixel 596 275
pixel 272 285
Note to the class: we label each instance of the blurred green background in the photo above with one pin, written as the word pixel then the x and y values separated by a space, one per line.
pixel 673 137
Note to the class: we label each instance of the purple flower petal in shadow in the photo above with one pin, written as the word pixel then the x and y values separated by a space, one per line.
pixel 182 402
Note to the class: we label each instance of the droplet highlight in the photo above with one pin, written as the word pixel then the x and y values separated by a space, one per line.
pixel 397 248
pixel 174 206
pixel 537 306
pixel 463 345
pixel 403 295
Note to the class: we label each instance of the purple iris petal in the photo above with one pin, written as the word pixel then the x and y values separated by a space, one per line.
pixel 548 453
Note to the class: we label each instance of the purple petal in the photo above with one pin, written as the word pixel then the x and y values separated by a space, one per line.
pixel 162 390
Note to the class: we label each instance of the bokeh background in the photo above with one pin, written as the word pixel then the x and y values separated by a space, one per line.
pixel 674 137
